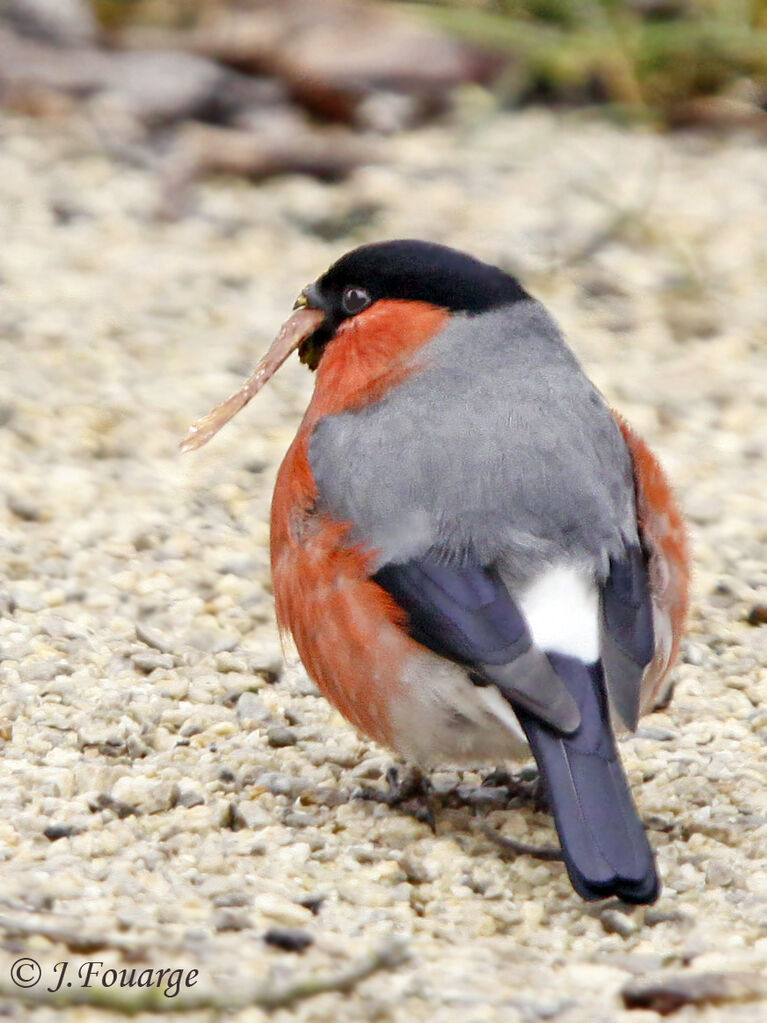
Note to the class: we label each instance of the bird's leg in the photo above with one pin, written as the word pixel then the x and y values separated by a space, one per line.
pixel 527 787
pixel 413 792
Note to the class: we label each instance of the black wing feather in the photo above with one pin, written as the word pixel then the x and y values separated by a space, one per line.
pixel 605 847
pixel 628 638
pixel 465 613
pixel 461 612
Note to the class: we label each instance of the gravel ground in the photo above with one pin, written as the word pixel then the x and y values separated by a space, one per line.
pixel 171 791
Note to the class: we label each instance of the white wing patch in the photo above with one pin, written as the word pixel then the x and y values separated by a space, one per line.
pixel 561 607
pixel 440 716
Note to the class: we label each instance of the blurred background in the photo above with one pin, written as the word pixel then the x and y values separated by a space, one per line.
pixel 174 792
pixel 150 73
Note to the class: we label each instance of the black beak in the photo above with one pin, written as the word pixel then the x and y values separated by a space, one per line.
pixel 309 298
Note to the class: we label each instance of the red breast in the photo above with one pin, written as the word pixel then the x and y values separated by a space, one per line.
pixel 346 628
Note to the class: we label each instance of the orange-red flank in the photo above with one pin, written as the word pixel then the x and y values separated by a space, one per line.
pixel 347 629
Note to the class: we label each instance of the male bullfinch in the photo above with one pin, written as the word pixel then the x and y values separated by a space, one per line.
pixel 472 552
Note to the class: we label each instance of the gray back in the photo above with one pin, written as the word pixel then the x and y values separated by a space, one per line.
pixel 497 448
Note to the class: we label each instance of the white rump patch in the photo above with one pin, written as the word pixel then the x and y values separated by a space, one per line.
pixel 561 607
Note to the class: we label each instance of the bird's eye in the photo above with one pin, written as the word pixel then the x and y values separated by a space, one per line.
pixel 354 300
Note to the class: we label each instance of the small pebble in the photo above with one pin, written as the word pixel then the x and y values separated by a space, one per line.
pixel 654 733
pixel 154 638
pixel 189 798
pixel 56 831
pixel 251 709
pixel 278 784
pixel 719 873
pixel 287 939
pixel 227 662
pixel 43 671
pixel 23 508
pixel 278 737
pixel 149 662
pixel 616 922
pixel 294 819
pixel 231 920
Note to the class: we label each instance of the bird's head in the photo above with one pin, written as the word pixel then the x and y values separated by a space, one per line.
pixel 405 271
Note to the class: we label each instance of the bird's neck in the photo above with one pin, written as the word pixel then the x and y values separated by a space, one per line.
pixel 371 354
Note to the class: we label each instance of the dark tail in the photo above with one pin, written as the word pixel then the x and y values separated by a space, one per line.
pixel 605 848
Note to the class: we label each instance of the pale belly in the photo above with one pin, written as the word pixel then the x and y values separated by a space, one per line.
pixel 442 717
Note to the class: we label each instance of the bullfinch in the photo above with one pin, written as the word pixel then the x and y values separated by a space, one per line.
pixel 473 553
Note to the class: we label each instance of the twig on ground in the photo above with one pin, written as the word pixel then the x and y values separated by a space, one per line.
pixel 76 940
pixel 513 848
pixel 132 1001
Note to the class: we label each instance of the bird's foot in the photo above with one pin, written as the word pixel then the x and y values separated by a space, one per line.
pixel 507 789
pixel 413 793
pixel 524 787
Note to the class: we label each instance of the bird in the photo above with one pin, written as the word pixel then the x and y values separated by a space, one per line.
pixel 476 557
